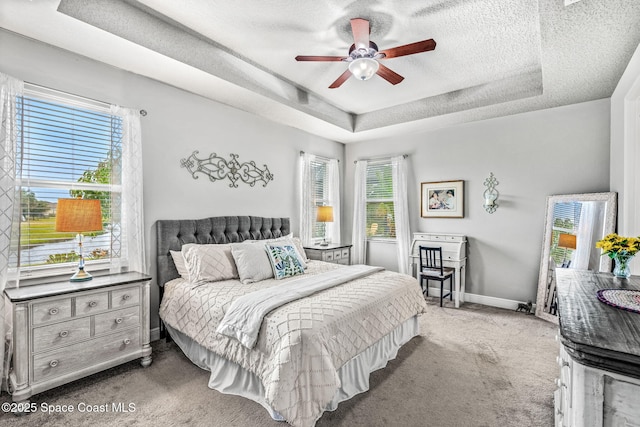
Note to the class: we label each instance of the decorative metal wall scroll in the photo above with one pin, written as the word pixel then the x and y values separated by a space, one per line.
pixel 217 168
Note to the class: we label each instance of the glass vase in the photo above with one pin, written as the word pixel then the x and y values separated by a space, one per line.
pixel 621 267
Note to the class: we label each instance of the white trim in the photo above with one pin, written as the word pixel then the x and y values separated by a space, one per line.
pixel 484 300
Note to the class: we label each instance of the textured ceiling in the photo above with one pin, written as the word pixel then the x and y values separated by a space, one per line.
pixel 493 57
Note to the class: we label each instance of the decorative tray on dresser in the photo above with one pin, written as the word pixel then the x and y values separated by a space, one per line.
pixel 63 331
pixel 599 382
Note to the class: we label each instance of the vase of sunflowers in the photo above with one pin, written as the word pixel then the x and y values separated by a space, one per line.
pixel 621 250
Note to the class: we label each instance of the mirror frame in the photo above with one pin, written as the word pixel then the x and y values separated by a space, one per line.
pixel 609 227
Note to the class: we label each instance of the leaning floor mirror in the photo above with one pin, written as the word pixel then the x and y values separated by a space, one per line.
pixel 573 224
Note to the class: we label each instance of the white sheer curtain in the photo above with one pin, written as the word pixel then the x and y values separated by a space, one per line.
pixel 333 173
pixel 401 212
pixel 132 254
pixel 10 88
pixel 359 234
pixel 307 208
pixel 590 229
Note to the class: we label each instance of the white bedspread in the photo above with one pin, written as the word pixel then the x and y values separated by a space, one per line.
pixel 303 343
pixel 243 319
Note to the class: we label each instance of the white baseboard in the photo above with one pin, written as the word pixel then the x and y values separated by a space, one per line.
pixel 154 334
pixel 485 300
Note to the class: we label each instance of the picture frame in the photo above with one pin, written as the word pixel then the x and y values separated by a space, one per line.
pixel 442 199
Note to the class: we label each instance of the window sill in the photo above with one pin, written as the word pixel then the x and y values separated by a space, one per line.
pixel 382 240
pixel 55 274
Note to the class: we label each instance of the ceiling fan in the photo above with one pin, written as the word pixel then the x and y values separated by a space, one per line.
pixel 364 55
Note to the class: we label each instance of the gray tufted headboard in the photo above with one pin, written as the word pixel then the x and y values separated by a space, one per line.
pixel 173 233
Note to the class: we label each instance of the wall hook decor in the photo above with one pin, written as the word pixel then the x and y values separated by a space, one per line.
pixel 217 168
pixel 491 194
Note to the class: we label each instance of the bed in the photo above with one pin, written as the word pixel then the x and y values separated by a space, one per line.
pixel 300 355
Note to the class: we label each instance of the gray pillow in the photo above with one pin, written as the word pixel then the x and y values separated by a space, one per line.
pixel 252 262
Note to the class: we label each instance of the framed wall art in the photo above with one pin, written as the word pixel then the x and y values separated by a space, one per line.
pixel 443 199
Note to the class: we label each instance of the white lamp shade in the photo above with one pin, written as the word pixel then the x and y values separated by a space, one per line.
pixel 364 68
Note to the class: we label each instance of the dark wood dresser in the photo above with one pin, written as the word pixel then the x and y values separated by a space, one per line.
pixel 599 382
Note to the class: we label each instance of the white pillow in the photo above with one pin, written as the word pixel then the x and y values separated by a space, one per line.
pixel 252 262
pixel 178 260
pixel 209 263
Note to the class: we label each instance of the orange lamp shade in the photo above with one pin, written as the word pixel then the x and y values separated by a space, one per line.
pixel 324 214
pixel 567 241
pixel 78 215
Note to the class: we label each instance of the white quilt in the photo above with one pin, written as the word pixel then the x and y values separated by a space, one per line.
pixel 302 344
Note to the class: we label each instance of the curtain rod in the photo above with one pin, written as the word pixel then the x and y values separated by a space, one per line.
pixel 376 159
pixel 67 95
pixel 320 157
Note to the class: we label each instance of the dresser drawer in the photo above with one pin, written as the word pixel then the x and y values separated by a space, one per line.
pixel 49 311
pixel 328 256
pixel 80 355
pixel 63 333
pixel 92 303
pixel 125 297
pixel 345 253
pixel 117 320
pixel 337 255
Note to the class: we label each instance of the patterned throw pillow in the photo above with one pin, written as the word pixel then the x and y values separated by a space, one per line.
pixel 209 263
pixel 285 260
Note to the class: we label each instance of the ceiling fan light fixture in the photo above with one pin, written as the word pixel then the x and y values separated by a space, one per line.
pixel 364 68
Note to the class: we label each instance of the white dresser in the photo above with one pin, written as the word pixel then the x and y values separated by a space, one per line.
pixel 454 254
pixel 599 381
pixel 64 331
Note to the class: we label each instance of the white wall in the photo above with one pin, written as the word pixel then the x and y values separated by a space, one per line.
pixel 557 151
pixel 625 155
pixel 177 124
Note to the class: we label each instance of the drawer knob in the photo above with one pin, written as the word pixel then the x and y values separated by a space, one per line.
pixel 119 320
pixel 64 334
pixel 92 303
pixel 126 341
pixel 53 311
pixel 53 363
pixel 126 297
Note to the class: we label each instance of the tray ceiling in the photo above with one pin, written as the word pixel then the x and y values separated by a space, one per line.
pixel 492 58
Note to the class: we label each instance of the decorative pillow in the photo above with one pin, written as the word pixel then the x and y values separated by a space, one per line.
pixel 178 260
pixel 209 263
pixel 300 248
pixel 285 260
pixel 252 262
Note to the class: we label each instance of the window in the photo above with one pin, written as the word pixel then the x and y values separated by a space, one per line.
pixel 379 200
pixel 320 192
pixel 67 147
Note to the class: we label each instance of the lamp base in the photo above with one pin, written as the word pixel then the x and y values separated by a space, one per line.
pixel 81 276
pixel 324 243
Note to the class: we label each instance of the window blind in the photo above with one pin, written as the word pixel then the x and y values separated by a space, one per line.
pixel 320 177
pixel 66 150
pixel 379 200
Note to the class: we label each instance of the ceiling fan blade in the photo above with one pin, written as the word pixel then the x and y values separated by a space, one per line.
pixel 319 58
pixel 389 75
pixel 409 49
pixel 360 30
pixel 343 78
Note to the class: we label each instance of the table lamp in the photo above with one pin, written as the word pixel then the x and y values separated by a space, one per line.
pixel 324 215
pixel 566 241
pixel 79 216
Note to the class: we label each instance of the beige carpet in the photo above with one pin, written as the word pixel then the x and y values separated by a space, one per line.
pixel 474 366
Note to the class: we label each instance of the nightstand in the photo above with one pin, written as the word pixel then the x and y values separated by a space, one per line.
pixel 337 254
pixel 64 331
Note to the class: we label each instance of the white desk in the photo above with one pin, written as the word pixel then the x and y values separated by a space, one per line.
pixel 454 254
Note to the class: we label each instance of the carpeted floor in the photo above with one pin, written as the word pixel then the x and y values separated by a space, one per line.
pixel 475 366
